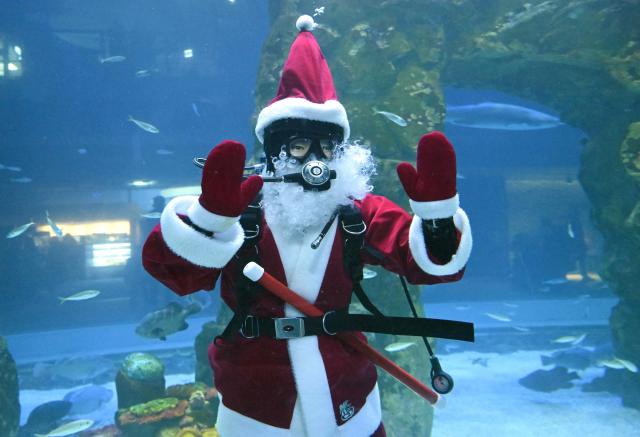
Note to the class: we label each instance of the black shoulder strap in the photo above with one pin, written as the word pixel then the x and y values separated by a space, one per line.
pixel 245 289
pixel 353 231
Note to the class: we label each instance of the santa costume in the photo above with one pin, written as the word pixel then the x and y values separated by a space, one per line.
pixel 312 385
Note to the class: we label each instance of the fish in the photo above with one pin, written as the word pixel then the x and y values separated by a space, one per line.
pixel 166 321
pixel 393 117
pixel 498 317
pixel 195 109
pixel 87 399
pixel 555 281
pixel 68 428
pixel 368 273
pixel 462 307
pixel 521 328
pixel 82 151
pixel 144 125
pixel 19 230
pixel 510 305
pixel 500 116
pixel 143 73
pixel 577 358
pixel 318 11
pixel 112 59
pixel 618 363
pixel 164 152
pixel 152 215
pixel 480 361
pixel 573 339
pixel 74 369
pixel 22 180
pixel 570 231
pixel 574 277
pixel 10 168
pixel 401 345
pixel 549 380
pixel 54 227
pixel 81 295
pixel 356 47
pixel 44 416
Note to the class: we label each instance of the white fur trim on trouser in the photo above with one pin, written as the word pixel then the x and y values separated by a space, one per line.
pixel 233 424
pixel 330 111
pixel 417 244
pixel 437 209
pixel 208 220
pixel 184 241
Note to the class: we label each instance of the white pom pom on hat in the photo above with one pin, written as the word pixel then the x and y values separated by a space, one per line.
pixel 305 22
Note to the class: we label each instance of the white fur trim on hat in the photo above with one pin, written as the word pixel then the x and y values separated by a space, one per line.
pixel 437 209
pixel 418 247
pixel 184 241
pixel 305 22
pixel 330 111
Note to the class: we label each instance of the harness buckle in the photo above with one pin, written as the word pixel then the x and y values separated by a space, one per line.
pixel 250 234
pixel 289 327
pixel 254 327
pixel 355 229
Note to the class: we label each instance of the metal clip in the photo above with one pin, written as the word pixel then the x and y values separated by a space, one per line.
pixel 255 327
pixel 289 327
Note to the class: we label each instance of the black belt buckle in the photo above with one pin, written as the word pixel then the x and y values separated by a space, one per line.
pixel 288 327
pixel 250 327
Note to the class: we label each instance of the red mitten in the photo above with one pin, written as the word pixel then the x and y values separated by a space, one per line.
pixel 223 191
pixel 435 177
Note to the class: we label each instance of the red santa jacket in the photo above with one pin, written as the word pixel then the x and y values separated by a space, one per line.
pixel 261 379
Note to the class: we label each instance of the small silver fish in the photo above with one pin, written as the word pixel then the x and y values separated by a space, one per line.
pixel 498 317
pixel 570 231
pixel 54 227
pixel 164 152
pixel 143 73
pixel 521 328
pixel 573 339
pixel 19 230
pixel 368 273
pixel 318 11
pixel 144 125
pixel 152 215
pixel 112 59
pixel 22 180
pixel 510 305
pixel 82 151
pixel 81 295
pixel 69 428
pixel 195 109
pixel 10 168
pixel 401 345
pixel 393 117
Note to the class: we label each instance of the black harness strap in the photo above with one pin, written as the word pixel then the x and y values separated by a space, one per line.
pixel 245 289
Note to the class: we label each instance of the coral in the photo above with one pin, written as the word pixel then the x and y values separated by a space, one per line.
pixel 184 391
pixel 189 432
pixel 156 406
pixel 142 367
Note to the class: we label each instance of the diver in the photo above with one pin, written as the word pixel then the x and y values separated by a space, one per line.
pixel 308 217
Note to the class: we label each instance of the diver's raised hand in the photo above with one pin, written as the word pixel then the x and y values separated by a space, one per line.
pixel 223 190
pixel 434 180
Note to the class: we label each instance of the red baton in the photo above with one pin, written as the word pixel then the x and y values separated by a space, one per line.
pixel 257 274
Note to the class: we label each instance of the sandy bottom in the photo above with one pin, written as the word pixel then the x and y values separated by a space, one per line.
pixel 486 401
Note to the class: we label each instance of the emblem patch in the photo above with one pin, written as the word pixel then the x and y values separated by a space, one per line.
pixel 346 411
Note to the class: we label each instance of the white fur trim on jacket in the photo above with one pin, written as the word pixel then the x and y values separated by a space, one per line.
pixel 184 241
pixel 437 209
pixel 233 424
pixel 418 247
pixel 330 111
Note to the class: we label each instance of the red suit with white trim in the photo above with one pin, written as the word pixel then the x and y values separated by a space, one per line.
pixel 313 385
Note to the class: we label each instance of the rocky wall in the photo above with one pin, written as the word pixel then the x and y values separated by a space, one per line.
pixel 9 400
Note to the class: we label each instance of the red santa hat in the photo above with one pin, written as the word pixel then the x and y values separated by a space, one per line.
pixel 306 88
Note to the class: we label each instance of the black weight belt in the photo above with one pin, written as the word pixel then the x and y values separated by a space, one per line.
pixel 339 321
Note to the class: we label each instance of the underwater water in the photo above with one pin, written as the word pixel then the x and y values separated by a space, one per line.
pixel 106 104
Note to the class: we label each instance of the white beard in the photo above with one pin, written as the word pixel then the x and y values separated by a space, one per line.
pixel 288 207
